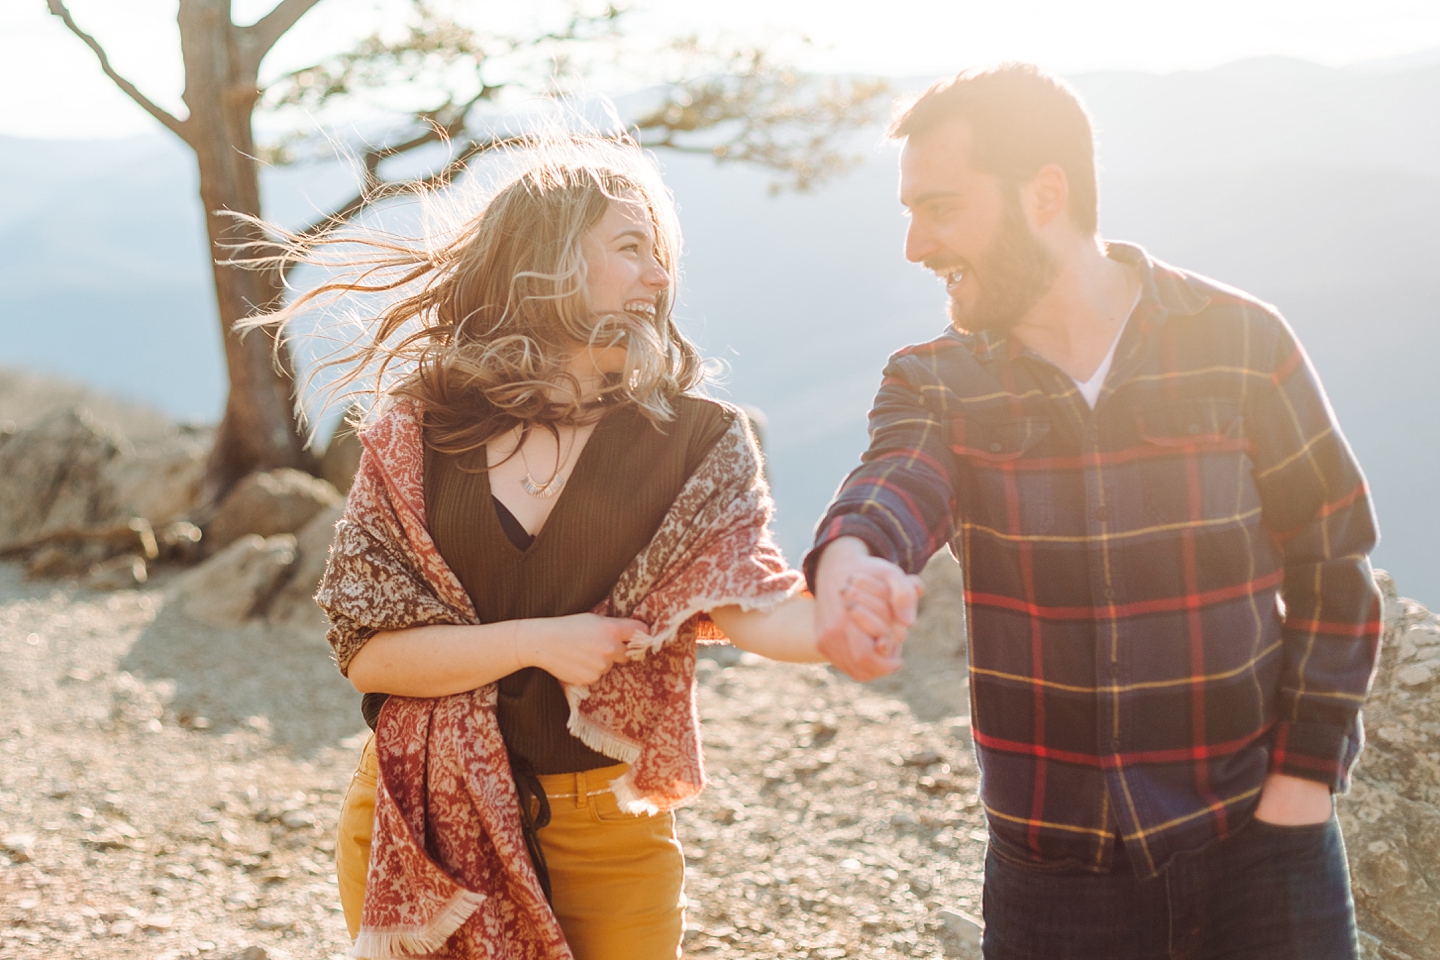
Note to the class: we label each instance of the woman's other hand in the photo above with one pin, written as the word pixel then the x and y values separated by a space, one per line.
pixel 441 659
pixel 578 649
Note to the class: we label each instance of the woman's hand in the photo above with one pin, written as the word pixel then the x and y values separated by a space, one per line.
pixel 438 660
pixel 577 649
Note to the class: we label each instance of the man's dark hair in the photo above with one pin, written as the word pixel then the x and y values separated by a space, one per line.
pixel 1022 118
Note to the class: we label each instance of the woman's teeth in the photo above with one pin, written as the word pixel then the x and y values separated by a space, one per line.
pixel 643 307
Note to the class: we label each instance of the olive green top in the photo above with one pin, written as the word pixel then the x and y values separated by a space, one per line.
pixel 617 492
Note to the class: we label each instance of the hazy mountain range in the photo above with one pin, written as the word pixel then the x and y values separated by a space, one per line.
pixel 1316 189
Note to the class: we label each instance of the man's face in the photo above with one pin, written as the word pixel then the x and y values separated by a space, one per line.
pixel 968 226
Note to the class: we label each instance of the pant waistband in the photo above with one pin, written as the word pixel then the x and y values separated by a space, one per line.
pixel 581 785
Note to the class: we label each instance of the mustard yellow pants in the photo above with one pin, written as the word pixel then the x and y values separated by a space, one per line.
pixel 617 878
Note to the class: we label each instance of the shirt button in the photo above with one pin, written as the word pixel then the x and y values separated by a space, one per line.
pixel 1194 428
pixel 1114 671
pixel 1115 745
pixel 1109 593
pixel 1102 514
pixel 995 448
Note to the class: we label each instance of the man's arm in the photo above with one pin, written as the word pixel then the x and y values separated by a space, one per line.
pixel 1316 505
pixel 888 518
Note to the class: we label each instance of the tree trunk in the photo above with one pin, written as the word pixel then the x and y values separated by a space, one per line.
pixel 259 430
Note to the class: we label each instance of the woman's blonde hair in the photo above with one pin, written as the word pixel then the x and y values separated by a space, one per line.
pixel 482 316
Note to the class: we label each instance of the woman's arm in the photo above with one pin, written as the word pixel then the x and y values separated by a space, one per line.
pixel 785 632
pixel 436 661
pixel 788 631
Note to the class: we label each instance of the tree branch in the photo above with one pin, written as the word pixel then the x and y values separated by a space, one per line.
pixel 384 189
pixel 173 123
pixel 261 35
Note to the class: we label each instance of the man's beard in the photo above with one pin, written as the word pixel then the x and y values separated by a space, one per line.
pixel 1016 272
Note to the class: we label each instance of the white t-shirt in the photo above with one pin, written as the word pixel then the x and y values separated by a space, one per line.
pixel 1090 389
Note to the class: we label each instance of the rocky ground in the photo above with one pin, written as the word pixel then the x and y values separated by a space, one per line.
pixel 169 789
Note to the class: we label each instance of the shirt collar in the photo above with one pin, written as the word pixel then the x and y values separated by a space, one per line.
pixel 1163 292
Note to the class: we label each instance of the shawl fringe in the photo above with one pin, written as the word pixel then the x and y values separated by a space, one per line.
pixel 393 944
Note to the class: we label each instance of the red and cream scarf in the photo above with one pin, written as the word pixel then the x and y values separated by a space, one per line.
pixel 449 873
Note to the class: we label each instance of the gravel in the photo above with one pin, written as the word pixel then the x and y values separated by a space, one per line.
pixel 170 790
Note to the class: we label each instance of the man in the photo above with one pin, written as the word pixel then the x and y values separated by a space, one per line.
pixel 1164 538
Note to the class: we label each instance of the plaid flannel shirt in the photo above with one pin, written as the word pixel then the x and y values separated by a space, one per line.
pixel 1169 596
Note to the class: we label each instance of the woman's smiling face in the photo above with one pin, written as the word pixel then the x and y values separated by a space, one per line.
pixel 622 273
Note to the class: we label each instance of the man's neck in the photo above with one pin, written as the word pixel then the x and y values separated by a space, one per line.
pixel 1077 321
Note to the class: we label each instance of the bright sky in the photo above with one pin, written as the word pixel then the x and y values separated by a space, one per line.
pixel 55 89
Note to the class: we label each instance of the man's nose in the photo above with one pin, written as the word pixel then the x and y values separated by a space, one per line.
pixel 919 245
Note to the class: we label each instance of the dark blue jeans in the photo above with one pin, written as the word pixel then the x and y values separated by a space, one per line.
pixel 1265 893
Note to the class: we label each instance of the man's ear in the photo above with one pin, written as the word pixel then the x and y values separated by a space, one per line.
pixel 1048 192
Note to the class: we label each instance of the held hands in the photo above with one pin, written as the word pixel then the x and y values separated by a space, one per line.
pixel 864 606
pixel 577 649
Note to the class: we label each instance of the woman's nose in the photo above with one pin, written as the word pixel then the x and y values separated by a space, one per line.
pixel 656 277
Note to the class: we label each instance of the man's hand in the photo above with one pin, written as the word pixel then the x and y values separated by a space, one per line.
pixel 863 608
pixel 1287 801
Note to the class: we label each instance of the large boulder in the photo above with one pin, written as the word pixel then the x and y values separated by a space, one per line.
pixel 160 480
pixel 1392 815
pixel 269 503
pixel 295 603
pixel 236 584
pixel 52 475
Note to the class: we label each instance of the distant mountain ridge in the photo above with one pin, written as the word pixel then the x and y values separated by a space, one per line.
pixel 1313 188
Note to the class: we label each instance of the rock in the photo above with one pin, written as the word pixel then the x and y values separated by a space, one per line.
pixel 1391 817
pixel 118 573
pixel 962 933
pixel 53 475
pixel 180 541
pixel 297 819
pixel 265 504
pixel 342 454
pixel 237 583
pixel 53 561
pixel 271 919
pixel 20 847
pixel 295 603
pixel 160 481
pixel 251 953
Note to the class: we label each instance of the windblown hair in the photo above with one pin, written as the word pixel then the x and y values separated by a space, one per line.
pixel 1022 119
pixel 482 318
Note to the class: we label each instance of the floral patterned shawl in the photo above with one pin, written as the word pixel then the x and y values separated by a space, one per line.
pixel 449 874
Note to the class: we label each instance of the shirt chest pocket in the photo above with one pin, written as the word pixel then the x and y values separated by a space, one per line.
pixel 1195 464
pixel 1003 486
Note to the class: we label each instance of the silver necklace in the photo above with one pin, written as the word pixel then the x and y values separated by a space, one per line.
pixel 556 483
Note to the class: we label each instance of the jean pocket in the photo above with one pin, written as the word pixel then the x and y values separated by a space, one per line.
pixel 1292 830
pixel 606 809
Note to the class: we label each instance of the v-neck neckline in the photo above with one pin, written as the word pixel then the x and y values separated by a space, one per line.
pixel 491 502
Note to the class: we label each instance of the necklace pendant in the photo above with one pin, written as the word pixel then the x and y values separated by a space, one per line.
pixel 544 491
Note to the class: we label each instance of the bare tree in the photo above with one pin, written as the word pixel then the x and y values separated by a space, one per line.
pixel 732 103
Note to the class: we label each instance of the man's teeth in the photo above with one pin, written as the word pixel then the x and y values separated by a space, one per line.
pixel 952 277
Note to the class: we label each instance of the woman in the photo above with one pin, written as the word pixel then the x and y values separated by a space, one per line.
pixel 545 519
